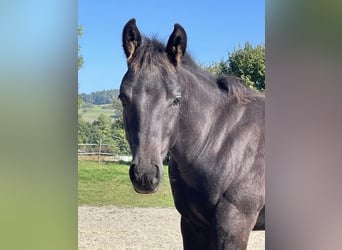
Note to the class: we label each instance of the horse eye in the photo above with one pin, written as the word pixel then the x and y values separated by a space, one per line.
pixel 176 101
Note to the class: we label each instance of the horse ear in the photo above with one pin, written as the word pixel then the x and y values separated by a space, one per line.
pixel 131 38
pixel 176 45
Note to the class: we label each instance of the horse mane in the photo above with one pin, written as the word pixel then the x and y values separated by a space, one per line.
pixel 233 87
pixel 152 52
pixel 236 88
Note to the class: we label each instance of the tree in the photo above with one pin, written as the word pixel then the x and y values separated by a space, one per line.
pixel 101 97
pixel 119 136
pixel 80 61
pixel 84 130
pixel 79 101
pixel 249 64
pixel 102 129
pixel 220 68
pixel 116 104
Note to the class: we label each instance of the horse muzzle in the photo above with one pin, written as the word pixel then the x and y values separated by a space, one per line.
pixel 145 179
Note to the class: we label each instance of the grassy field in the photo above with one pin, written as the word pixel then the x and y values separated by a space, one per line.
pixel 91 113
pixel 109 184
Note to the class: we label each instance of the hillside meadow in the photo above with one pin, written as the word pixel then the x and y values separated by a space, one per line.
pixel 91 112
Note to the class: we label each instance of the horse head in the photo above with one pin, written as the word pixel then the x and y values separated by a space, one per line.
pixel 151 95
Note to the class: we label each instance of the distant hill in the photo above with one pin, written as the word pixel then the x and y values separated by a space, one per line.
pixel 91 112
pixel 100 97
pixel 95 103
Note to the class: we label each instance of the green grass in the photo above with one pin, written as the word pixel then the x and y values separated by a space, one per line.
pixel 90 114
pixel 109 184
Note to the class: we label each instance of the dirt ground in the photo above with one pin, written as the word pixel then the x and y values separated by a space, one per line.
pixel 110 227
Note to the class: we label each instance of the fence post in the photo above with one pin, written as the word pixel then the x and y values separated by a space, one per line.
pixel 99 152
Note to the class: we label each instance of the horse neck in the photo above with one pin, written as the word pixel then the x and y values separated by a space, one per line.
pixel 201 86
pixel 201 102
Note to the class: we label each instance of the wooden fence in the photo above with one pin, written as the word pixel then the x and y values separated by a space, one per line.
pixel 99 152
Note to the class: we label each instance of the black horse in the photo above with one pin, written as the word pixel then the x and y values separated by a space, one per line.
pixel 212 127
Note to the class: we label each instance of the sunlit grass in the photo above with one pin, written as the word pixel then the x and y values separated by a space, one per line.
pixel 109 184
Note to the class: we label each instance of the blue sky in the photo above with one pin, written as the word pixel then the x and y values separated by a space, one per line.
pixel 214 28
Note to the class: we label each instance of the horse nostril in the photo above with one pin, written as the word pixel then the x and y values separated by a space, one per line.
pixel 157 174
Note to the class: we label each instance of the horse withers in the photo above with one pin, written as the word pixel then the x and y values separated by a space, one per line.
pixel 213 128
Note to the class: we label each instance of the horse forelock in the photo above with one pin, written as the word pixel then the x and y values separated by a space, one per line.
pixel 150 55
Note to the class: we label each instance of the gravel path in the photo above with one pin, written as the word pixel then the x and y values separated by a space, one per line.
pixel 110 227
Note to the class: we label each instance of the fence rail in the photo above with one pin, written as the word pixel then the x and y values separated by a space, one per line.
pixel 99 152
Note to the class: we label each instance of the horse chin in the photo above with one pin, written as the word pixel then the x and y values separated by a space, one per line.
pixel 146 191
